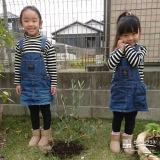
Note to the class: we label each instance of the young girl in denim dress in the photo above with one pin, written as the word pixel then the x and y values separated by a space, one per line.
pixel 128 92
pixel 35 74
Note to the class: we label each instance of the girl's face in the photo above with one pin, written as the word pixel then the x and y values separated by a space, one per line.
pixel 130 38
pixel 30 22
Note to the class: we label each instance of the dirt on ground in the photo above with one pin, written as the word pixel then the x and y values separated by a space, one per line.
pixel 62 150
pixel 153 145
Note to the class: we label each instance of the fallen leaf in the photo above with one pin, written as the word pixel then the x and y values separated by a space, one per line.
pixel 26 135
pixel 18 132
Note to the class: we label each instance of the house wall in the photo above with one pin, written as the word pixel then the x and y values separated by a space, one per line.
pixel 81 40
pixel 15 26
pixel 96 25
pixel 96 97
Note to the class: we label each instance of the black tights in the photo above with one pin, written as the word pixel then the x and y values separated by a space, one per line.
pixel 46 113
pixel 129 121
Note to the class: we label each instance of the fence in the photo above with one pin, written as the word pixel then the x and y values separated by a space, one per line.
pixel 149 15
pixel 83 30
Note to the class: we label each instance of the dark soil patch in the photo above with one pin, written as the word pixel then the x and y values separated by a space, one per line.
pixel 62 150
pixel 153 144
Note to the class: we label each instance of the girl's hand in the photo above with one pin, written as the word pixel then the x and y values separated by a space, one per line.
pixel 18 89
pixel 53 90
pixel 121 45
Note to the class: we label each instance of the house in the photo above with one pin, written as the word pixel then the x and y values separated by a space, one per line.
pixel 96 24
pixel 83 35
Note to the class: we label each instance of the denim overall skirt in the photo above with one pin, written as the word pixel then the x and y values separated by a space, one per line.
pixel 35 84
pixel 128 93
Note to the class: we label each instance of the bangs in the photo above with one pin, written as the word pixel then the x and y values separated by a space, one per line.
pixel 128 25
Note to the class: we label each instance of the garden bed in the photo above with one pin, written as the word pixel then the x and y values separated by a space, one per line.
pixel 148 147
pixel 63 151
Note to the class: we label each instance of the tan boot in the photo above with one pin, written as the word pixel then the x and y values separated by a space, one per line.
pixel 115 143
pixel 36 135
pixel 45 136
pixel 127 144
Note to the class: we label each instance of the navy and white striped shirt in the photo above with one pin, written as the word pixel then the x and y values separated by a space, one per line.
pixel 134 58
pixel 33 44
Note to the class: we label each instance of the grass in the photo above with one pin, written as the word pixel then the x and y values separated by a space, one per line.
pixel 80 63
pixel 18 129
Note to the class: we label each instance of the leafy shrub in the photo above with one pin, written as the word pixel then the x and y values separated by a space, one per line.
pixel 153 129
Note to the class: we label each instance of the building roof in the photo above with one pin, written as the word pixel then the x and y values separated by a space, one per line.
pixel 93 20
pixel 74 23
pixel 9 15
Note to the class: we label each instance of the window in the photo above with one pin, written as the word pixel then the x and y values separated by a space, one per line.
pixel 71 41
pixel 90 42
pixel 10 25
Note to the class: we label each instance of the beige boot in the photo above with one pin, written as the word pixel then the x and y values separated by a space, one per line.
pixel 127 144
pixel 35 137
pixel 45 136
pixel 115 143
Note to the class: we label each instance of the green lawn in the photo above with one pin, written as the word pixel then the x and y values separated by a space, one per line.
pixel 18 130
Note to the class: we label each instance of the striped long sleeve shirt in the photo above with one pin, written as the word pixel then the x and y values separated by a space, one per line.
pixel 133 57
pixel 33 44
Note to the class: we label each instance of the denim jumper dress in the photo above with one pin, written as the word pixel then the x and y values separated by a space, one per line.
pixel 128 93
pixel 35 84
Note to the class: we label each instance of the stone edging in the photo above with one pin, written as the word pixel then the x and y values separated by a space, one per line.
pixel 143 151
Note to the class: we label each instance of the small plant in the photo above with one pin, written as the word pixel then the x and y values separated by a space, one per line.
pixel 153 129
pixel 74 128
pixel 5 95
pixel 148 142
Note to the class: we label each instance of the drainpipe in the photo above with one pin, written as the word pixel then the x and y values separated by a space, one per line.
pixel 108 20
pixel 106 29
